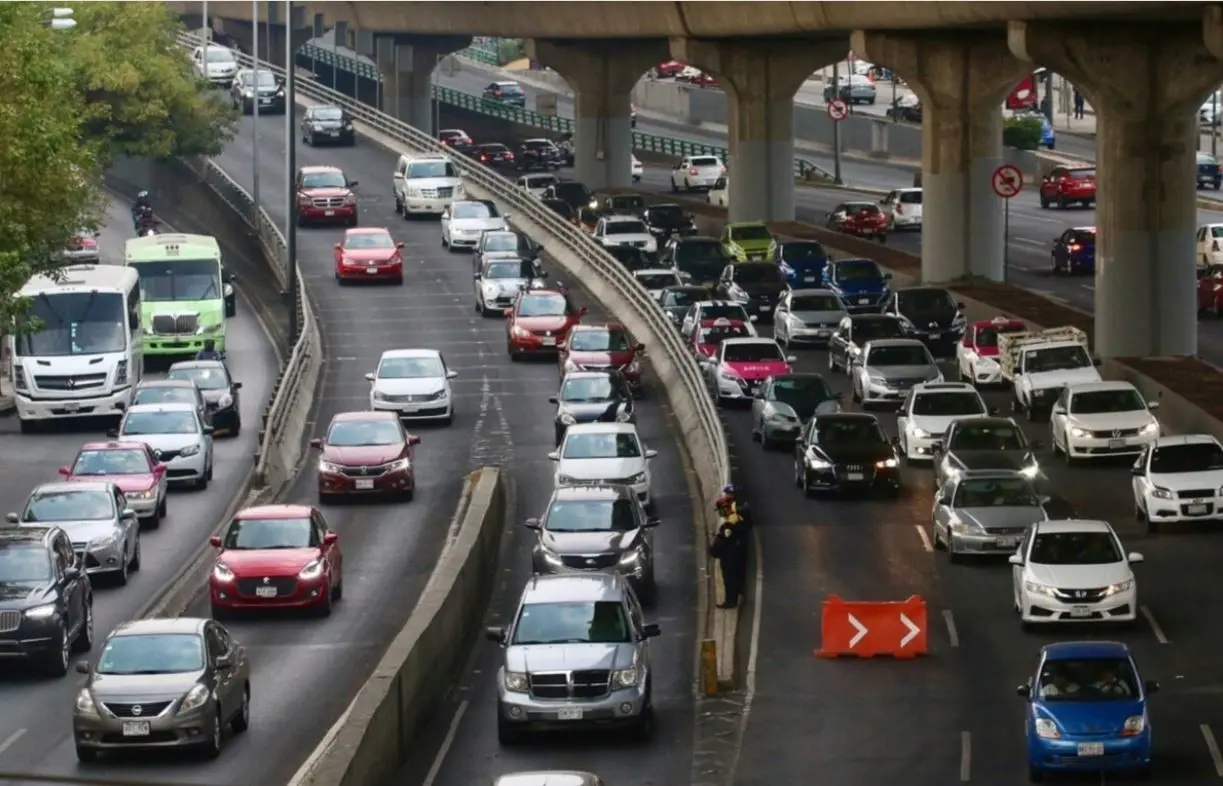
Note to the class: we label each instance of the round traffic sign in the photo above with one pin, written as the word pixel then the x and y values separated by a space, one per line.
pixel 838 110
pixel 1007 181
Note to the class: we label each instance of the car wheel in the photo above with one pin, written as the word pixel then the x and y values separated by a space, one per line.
pixel 1044 203
pixel 953 556
pixel 1062 204
pixel 84 637
pixel 766 444
pixel 86 755
pixel 135 565
pixel 936 540
pixel 121 574
pixel 1035 774
pixel 398 205
pixel 674 188
pixel 1070 460
pixel 507 733
pixel 857 398
pixel 687 185
pixel 242 721
pixel 55 664
pixel 211 748
pixel 643 728
pixel 323 609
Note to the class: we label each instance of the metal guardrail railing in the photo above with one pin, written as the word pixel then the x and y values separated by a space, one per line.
pixel 645 318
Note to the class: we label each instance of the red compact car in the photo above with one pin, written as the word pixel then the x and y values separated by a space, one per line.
pixel 705 341
pixel 365 453
pixel 539 322
pixel 132 467
pixel 1066 185
pixel 669 69
pixel 602 348
pixel 276 557
pixel 368 254
pixel 325 195
pixel 861 219
pixel 1210 290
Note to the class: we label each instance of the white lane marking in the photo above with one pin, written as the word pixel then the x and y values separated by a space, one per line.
pixel 1051 295
pixel 1213 746
pixel 1155 626
pixel 965 756
pixel 953 635
pixel 1088 287
pixel 1027 241
pixel 753 650
pixel 925 539
pixel 12 739
pixel 440 758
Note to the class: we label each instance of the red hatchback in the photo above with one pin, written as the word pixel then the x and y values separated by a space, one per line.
pixel 365 453
pixel 369 254
pixel 1210 290
pixel 276 557
pixel 1066 185
pixel 132 467
pixel 325 196
pixel 861 219
pixel 602 348
pixel 539 322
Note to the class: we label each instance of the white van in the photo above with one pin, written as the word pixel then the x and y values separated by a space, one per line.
pixel 425 183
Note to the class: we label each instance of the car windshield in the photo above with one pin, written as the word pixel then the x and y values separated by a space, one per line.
pixel 605 515
pixel 411 368
pixel 731 311
pixel 329 113
pixel 624 228
pixel 364 433
pixel 329 179
pixel 858 270
pixel 802 394
pixel 542 306
pixel 1096 402
pixel 988 337
pixel 631 257
pixel 473 210
pixel 83 505
pixel 1075 548
pixel 835 432
pixel 706 161
pixel 752 352
pixel 910 197
pixel 510 90
pixel 587 622
pixel 629 204
pixel 206 378
pixel 815 303
pixel 421 169
pixel 539 181
pixel 667 214
pixel 948 404
pixel 514 269
pixel 861 209
pixel 1191 457
pixel 1088 679
pixel 74 323
pixel 757 273
pixel 991 437
pixel 1056 359
pixel 286 533
pixel 599 341
pixel 681 298
pixel 719 333
pixel 657 280
pixel 750 232
pixel 24 564
pixel 499 241
pixel 806 251
pixel 219 54
pixel 169 422
pixel 572 192
pixel 116 461
pixel 588 389
pixel 164 395
pixel 907 355
pixel 560 207
pixel 696 252
pixel 995 493
pixel 264 78
pixel 601 446
pixel 926 302
pixel 177 280
pixel 368 240
pixel 864 330
pixel 163 653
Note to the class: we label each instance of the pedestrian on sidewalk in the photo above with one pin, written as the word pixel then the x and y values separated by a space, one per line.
pixel 1078 104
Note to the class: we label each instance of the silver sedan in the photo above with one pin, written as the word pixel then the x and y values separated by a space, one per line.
pixel 984 512
pixel 105 533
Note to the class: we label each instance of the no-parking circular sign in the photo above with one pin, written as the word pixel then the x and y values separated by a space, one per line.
pixel 838 110
pixel 1007 181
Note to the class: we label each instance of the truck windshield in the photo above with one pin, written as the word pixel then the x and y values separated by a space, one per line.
pixel 182 279
pixel 73 323
pixel 1055 359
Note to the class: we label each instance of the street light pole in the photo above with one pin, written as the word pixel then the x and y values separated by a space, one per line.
pixel 207 33
pixel 437 119
pixel 836 127
pixel 255 111
pixel 290 170
pixel 1214 124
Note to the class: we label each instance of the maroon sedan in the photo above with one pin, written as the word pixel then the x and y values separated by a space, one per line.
pixel 861 219
pixel 365 453
pixel 602 348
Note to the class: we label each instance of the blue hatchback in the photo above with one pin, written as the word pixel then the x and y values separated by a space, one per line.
pixel 1074 251
pixel 861 284
pixel 1087 710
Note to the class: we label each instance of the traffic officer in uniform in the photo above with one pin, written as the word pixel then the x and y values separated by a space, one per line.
pixel 729 546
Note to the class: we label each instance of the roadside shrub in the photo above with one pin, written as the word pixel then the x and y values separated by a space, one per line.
pixel 1022 133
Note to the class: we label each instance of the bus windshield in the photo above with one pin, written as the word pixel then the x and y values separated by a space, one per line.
pixel 180 279
pixel 74 323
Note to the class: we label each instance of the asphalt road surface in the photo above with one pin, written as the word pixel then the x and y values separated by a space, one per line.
pixel 35 726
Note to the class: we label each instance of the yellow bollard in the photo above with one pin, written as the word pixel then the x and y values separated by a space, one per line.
pixel 709 667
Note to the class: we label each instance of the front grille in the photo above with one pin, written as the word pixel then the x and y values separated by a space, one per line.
pixel 78 382
pixel 866 470
pixel 1006 530
pixel 903 384
pixel 364 472
pixel 1117 433
pixel 85 558
pixel 545 333
pixel 408 398
pixel 9 621
pixel 600 368
pixel 329 202
pixel 166 456
pixel 285 585
pixel 1081 595
pixel 615 481
pixel 445 192
pixel 590 561
pixel 147 710
pixel 586 684
pixel 152 738
pixel 1197 509
pixel 1195 493
pixel 175 324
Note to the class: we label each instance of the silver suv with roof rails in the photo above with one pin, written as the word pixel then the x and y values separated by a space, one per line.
pixel 577 655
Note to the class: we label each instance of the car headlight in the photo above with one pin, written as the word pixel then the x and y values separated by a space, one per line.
pixel 225 401
pixel 491 289
pixel 1135 724
pixel 886 464
pixel 379 395
pixel 877 379
pixel 551 557
pixel 632 557
pixel 919 433
pixel 1046 729
pixel 202 329
pixel 961 527
pixel 817 463
pixel 348 126
pixel 351 199
pixel 248 93
pixel 519 332
pixel 190 450
pixel 640 477
pixel 567 419
pixel 566 480
pixel 399 465
pixel 1031 471
pixel 142 495
pixel 1079 432
pixel 594 204
pixel 1036 588
pixel 1149 429
pixel 1159 493
pixel 728 375
pixel 626 678
pixel 312 570
pixel 84 703
pixel 121 372
pixel 329 467
pixel 45 611
pixel 196 697
pixel 1120 586
pixel 221 572
pixel 516 682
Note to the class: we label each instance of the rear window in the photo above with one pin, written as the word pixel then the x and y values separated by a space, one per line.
pixel 1216 231
pixel 1207 159
pixel 1081 174
pixel 1085 238
pixel 862 209
pixel 910 197
pixel 705 161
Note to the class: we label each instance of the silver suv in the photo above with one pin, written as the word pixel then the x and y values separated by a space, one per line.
pixel 597 528
pixel 576 655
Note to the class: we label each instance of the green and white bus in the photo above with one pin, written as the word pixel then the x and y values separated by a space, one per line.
pixel 181 290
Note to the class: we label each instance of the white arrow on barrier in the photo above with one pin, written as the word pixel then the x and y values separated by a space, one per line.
pixel 859 627
pixel 913 630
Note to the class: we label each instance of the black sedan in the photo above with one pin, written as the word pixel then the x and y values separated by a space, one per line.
pixel 632 258
pixel 592 397
pixel 494 155
pixel 986 443
pixel 261 89
pixel 667 220
pixel 331 125
pixel 931 314
pixel 845 452
pixel 219 389
pixel 676 301
pixel 539 155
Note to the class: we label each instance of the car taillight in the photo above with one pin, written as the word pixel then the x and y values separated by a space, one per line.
pixel 1074 247
pixel 694 171
pixel 483 157
pixel 509 156
pixel 88 242
pixel 900 209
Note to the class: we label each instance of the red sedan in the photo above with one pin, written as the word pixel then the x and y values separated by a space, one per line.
pixel 132 467
pixel 277 557
pixel 325 195
pixel 539 322
pixel 368 254
pixel 1210 290
pixel 365 453
pixel 669 69
pixel 861 219
pixel 602 348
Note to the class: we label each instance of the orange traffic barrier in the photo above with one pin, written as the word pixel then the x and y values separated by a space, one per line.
pixel 865 629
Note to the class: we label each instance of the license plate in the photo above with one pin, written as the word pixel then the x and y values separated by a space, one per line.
pixel 265 592
pixel 329 212
pixel 1091 749
pixel 548 341
pixel 1113 444
pixel 935 336
pixel 365 484
pixel 371 270
pixel 265 100
pixel 1007 543
pixel 1080 611
pixel 1196 510
pixel 333 133
pixel 569 713
pixel 823 333
pixel 855 476
pixel 808 278
pixel 764 308
pixel 135 728
pixel 864 301
pixel 71 406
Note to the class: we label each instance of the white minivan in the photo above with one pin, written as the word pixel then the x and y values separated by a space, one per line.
pixel 425 183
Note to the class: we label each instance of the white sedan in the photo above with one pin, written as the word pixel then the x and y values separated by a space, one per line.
pixel 612 453
pixel 1073 571
pixel 414 383
pixel 1210 244
pixel 1100 419
pixel 928 412
pixel 631 231
pixel 466 220
pixel 1180 478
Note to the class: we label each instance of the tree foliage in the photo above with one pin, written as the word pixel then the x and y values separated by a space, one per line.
pixel 1023 133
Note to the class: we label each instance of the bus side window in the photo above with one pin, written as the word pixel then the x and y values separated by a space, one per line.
pixel 133 309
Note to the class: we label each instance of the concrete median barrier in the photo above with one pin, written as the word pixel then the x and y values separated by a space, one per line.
pixel 376 733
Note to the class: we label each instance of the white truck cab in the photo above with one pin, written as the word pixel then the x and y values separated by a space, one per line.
pixel 1038 364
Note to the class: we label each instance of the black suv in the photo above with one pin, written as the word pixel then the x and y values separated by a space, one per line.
pixel 46 600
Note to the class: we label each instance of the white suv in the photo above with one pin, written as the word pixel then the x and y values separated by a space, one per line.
pixel 928 412
pixel 425 183
pixel 903 208
pixel 613 231
pixel 697 172
pixel 1179 478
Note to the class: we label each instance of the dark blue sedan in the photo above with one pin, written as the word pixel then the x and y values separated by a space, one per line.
pixel 1074 251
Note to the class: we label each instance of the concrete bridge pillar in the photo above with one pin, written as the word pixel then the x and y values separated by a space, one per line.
pixel 760 78
pixel 1146 85
pixel 602 74
pixel 961 80
pixel 406 63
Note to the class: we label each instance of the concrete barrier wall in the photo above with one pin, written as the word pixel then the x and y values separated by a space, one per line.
pixel 425 659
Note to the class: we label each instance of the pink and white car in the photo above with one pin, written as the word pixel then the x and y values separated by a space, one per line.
pixel 742 364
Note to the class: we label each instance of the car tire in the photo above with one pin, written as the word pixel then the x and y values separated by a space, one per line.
pixel 120 576
pixel 55 664
pixel 507 733
pixel 135 564
pixel 953 556
pixel 674 188
pixel 1035 775
pixel 242 720
pixel 86 755
pixel 936 540
pixel 687 185
pixel 211 748
pixel 642 729
pixel 352 222
pixel 409 495
pixel 84 638
pixel 766 444
pixel 305 139
pixel 1044 203
pixel 1070 459
pixel 398 205
pixel 323 609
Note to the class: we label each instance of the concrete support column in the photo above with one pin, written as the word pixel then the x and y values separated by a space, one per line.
pixel 602 75
pixel 406 64
pixel 760 79
pixel 961 80
pixel 1145 84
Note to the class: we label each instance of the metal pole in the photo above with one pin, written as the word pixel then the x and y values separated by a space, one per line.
pixel 255 112
pixel 1214 124
pixel 437 115
pixel 836 128
pixel 1006 240
pixel 895 115
pixel 207 33
pixel 291 171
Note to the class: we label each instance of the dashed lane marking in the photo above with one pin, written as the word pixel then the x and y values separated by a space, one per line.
pixel 451 733
pixel 1155 626
pixel 965 756
pixel 953 635
pixel 11 740
pixel 1212 746
pixel 925 539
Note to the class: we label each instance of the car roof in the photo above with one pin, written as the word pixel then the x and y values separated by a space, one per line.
pixel 1073 650
pixel 618 218
pixel 713 303
pixel 114 445
pixel 1184 439
pixel 327 106
pixel 848 416
pixel 985 474
pixel 685 288
pixel 895 342
pixel 411 353
pixel 547 778
pixel 813 291
pixel 505 82
pixel 349 417
pixel 1091 230
pixel 367 231
pixel 168 406
pixel 1092 387
pixel 602 428
pixel 287 511
pixel 920 288
pixel 551 291
pixel 190 364
pixel 986 420
pixel 24 533
pixel 666 204
pixel 166 383
pixel 596 328
pixel 55 487
pixel 315 169
pixel 1072 525
pixel 656 271
pixel 607 491
pixel 943 387
pixel 740 340
pixel 999 322
pixel 573 588
pixel 153 626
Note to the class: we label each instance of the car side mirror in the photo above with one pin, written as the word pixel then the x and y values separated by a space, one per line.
pixel 495 633
pixel 753 318
pixel 553 400
pixel 338 246
pixel 353 184
pixel 128 513
pixel 475 276
pixel 209 430
pixel 1015 559
pixel 1096 361
pixel 160 469
pixel 1057 410
pixel 316 443
pixel 1134 556
pixel 887 276
pixel 119 405
pixel 1151 686
pixel 65 471
pixel 531 524
pixel 640 348
pixel 214 541
pixel 936 444
pixel 82 667
pixel 331 538
pixel 960 306
pixel 651 454
pixel 413 439
pixel 1153 405
pixel 758 394
pixel 554 456
pixel 1045 499
pixel 653 522
pixel 1137 471
pixel 451 374
pixel 895 441
pixel 72 574
pixel 399 246
pixel 992 410
pixel 223 663
pixel 113 433
pixel 650 630
pixel 11 518
pixel 791 358
pixel 944 500
pixel 1024 691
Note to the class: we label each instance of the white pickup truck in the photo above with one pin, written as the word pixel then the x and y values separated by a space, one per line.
pixel 1038 364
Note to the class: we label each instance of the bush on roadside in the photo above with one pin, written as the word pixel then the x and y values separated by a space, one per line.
pixel 511 50
pixel 1022 133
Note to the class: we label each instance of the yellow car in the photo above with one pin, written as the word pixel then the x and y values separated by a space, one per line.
pixel 749 242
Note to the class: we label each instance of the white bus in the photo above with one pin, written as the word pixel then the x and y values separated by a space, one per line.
pixel 85 356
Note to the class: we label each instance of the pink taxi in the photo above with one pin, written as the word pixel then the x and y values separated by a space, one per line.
pixel 977 353
pixel 741 364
